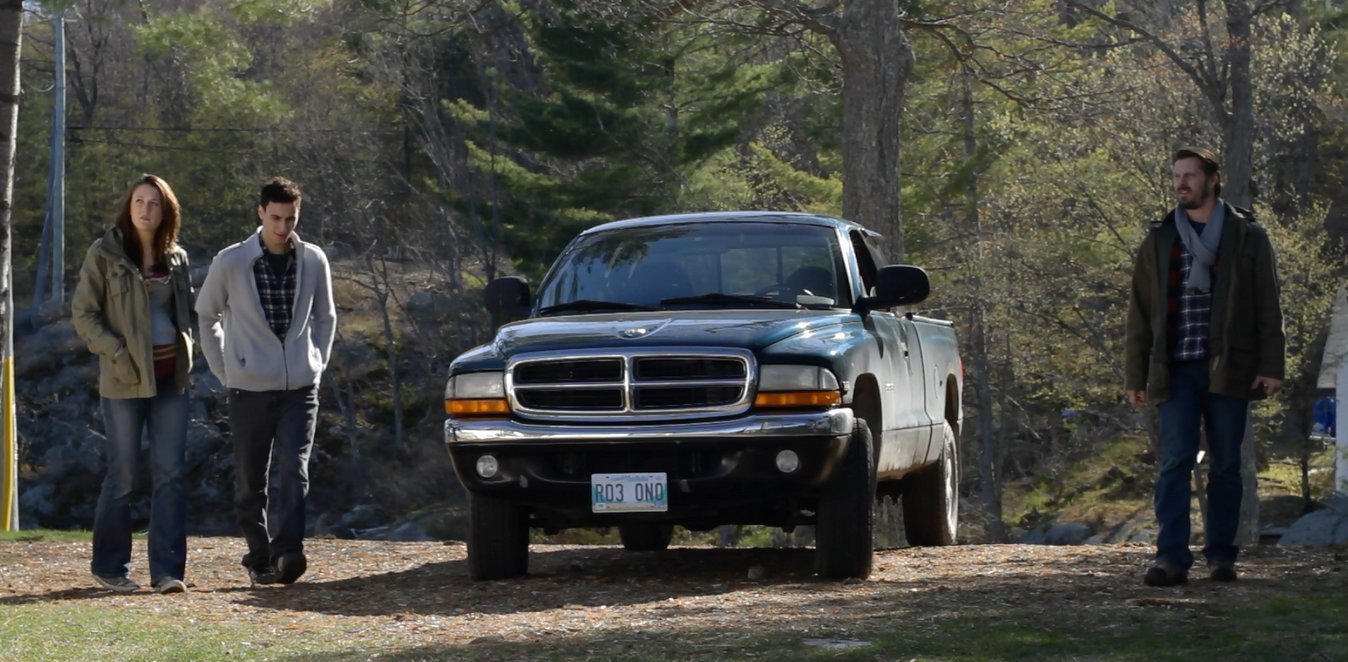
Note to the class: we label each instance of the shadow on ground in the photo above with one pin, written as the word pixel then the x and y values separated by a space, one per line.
pixel 558 578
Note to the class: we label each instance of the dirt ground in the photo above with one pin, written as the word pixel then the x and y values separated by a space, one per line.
pixel 419 594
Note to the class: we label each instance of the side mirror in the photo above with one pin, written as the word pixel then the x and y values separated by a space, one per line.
pixel 897 285
pixel 507 299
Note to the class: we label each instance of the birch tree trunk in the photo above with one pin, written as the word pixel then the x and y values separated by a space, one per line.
pixel 11 36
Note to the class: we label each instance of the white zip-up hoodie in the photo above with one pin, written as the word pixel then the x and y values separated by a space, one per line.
pixel 239 344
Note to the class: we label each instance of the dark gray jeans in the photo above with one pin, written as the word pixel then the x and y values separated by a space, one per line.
pixel 261 420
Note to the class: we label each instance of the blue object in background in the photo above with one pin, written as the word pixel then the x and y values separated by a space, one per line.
pixel 1323 417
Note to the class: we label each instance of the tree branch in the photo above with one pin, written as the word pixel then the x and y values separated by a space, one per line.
pixel 1197 76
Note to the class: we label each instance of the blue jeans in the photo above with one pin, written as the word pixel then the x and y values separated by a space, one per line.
pixel 1224 419
pixel 165 417
pixel 258 420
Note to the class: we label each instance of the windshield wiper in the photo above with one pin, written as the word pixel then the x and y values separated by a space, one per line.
pixel 738 299
pixel 591 305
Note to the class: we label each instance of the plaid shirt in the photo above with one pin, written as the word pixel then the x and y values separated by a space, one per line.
pixel 276 291
pixel 1189 313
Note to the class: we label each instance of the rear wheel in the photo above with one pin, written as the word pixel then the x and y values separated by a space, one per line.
pixel 498 538
pixel 646 537
pixel 846 520
pixel 931 498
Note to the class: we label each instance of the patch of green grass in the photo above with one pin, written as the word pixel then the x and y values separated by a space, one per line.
pixel 76 631
pixel 1111 486
pixel 578 536
pixel 32 535
pixel 1283 476
pixel 473 281
pixel 1105 488
pixel 760 536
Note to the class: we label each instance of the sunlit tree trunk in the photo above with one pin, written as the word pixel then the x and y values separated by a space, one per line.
pixel 1238 155
pixel 989 450
pixel 877 61
pixel 11 35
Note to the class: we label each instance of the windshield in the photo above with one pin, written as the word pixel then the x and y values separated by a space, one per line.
pixel 722 264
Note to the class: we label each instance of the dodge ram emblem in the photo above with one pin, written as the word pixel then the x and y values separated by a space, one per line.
pixel 640 329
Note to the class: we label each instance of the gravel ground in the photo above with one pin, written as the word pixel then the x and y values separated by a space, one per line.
pixel 418 594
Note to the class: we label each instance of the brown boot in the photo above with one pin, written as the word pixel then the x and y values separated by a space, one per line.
pixel 1165 574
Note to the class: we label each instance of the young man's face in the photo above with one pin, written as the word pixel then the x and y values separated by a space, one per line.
pixel 1193 187
pixel 278 221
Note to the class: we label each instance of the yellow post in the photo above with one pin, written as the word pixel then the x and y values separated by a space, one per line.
pixel 9 502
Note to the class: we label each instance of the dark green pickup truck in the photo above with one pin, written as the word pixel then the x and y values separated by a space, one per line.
pixel 709 369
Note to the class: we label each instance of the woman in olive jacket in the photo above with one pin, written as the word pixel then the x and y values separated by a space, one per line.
pixel 133 309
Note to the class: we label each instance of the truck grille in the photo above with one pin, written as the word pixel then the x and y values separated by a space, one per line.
pixel 635 385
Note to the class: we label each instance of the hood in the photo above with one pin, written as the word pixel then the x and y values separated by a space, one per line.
pixel 747 329
pixel 110 244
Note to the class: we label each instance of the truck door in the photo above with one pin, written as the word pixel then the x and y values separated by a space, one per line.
pixel 906 434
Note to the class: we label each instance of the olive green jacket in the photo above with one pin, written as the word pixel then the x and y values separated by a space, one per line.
pixel 111 312
pixel 1245 336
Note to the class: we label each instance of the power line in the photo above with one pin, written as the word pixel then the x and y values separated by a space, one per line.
pixel 186 129
pixel 171 148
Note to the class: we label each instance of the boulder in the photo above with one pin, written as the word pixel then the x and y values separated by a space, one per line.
pixel 1327 526
pixel 1056 533
pixel 409 532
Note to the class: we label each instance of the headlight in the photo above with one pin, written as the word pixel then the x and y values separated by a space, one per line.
pixel 787 386
pixel 476 385
pixel 796 378
pixel 476 394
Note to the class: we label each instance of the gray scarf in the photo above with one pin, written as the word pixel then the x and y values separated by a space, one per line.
pixel 1203 247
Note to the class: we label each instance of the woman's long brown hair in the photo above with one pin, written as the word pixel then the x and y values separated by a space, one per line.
pixel 165 236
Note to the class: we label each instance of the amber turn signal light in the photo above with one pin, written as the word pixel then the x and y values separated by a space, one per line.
pixel 486 407
pixel 783 399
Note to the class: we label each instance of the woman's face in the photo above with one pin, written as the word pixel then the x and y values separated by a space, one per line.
pixel 147 208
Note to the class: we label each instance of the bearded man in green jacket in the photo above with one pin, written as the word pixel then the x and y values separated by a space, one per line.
pixel 1204 338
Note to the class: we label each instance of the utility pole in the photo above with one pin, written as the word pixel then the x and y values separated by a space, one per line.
pixel 51 252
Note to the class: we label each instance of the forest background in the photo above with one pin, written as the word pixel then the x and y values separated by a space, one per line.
pixel 1017 150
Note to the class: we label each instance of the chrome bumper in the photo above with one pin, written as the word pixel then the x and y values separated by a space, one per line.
pixel 834 422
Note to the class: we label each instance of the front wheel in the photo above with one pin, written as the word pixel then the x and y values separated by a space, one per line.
pixel 845 525
pixel 931 498
pixel 645 537
pixel 498 538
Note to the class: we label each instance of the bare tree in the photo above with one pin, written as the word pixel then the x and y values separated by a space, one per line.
pixel 876 63
pixel 377 282
pixel 1218 68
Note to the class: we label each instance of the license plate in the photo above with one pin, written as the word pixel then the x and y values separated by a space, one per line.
pixel 627 493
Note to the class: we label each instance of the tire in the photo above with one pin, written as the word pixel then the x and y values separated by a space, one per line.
pixel 498 539
pixel 646 537
pixel 931 498
pixel 845 527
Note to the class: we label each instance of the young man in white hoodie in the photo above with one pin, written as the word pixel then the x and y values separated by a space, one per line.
pixel 267 323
